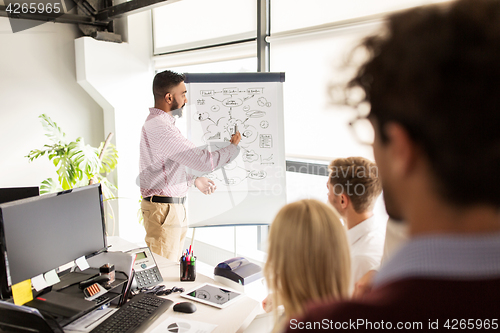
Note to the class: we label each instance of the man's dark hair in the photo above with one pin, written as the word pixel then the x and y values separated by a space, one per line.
pixel 437 73
pixel 164 81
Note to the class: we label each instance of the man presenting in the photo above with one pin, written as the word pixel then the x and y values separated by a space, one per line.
pixel 353 187
pixel 433 83
pixel 166 158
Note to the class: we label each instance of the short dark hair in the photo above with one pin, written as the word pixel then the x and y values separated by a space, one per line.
pixel 164 81
pixel 437 73
pixel 356 177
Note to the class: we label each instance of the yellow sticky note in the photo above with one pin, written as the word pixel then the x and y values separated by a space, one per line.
pixel 22 292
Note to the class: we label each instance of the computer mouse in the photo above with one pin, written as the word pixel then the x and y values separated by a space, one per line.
pixel 186 307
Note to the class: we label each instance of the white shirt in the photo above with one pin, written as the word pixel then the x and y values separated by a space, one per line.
pixel 366 241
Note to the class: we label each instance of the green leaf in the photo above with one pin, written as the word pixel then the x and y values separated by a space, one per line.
pixel 108 188
pixel 49 186
pixel 81 182
pixel 53 132
pixel 109 158
pixel 34 154
pixel 68 176
pixel 85 158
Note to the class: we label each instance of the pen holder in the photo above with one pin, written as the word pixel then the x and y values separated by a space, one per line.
pixel 188 269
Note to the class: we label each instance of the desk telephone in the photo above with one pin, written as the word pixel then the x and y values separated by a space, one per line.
pixel 147 273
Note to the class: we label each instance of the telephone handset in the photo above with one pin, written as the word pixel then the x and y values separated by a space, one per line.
pixel 147 273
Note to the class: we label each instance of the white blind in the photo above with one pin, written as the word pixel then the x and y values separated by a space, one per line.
pixel 207 56
pixel 191 24
pixel 314 128
pixel 299 14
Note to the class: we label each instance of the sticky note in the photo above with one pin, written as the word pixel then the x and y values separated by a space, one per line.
pixel 51 277
pixel 39 282
pixel 22 292
pixel 67 266
pixel 82 263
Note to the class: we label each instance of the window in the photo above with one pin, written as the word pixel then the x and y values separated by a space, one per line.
pixel 190 24
pixel 289 15
pixel 314 127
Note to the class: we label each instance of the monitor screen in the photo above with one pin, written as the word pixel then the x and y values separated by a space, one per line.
pixel 15 193
pixel 42 233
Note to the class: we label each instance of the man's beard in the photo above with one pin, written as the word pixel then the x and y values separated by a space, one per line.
pixel 176 110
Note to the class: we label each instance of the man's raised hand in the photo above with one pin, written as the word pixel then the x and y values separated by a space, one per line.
pixel 205 185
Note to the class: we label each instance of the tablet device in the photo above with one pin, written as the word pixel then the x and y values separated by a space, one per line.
pixel 213 295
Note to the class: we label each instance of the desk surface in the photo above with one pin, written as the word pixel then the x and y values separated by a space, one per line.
pixel 234 318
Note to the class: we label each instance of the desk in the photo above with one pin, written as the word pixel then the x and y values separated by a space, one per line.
pixel 234 318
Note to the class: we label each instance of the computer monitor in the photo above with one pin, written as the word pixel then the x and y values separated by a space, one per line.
pixel 39 234
pixel 8 194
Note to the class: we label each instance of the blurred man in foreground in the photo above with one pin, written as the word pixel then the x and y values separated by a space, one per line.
pixel 433 83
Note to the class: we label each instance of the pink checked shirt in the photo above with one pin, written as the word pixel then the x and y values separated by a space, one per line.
pixel 166 156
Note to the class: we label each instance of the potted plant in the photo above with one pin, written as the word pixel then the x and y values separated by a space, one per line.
pixel 77 164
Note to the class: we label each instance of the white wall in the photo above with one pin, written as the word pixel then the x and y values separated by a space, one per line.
pixel 38 75
pixel 119 77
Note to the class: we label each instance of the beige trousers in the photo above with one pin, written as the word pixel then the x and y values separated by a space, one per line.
pixel 166 228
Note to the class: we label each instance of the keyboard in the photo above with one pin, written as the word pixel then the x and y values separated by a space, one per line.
pixel 134 316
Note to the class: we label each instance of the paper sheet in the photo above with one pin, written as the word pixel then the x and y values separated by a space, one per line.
pixel 252 108
pixel 51 277
pixel 82 263
pixel 39 282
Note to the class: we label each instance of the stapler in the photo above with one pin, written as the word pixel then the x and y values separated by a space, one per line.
pixel 237 272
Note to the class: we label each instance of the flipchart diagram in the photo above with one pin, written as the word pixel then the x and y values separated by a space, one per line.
pixel 252 188
pixel 218 110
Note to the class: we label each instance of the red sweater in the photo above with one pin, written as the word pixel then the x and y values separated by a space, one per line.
pixel 419 304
